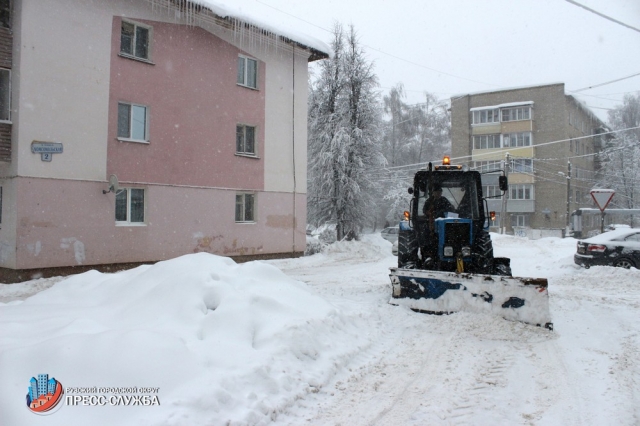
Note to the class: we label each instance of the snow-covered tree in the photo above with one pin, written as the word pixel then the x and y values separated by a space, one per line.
pixel 344 137
pixel 398 125
pixel 413 135
pixel 621 156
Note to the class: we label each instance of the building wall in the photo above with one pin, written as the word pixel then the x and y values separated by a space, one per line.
pixel 68 80
pixel 194 105
pixel 180 220
pixel 550 123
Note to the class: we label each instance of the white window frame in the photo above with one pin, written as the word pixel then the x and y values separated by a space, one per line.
pixel 525 137
pixel 519 220
pixel 131 113
pixel 485 116
pixel 521 114
pixel 242 78
pixel 487 141
pixel 242 149
pixel 491 191
pixel 488 165
pixel 522 165
pixel 5 92
pixel 521 191
pixel 242 201
pixel 128 221
pixel 135 54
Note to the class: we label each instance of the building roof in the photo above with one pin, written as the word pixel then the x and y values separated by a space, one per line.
pixel 505 89
pixel 251 14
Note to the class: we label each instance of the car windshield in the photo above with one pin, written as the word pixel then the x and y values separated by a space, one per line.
pixel 459 191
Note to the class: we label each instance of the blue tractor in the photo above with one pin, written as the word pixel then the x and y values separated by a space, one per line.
pixel 445 253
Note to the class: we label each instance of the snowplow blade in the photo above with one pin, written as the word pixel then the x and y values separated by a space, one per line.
pixel 434 292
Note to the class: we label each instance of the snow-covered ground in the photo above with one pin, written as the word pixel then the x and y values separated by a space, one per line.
pixel 314 341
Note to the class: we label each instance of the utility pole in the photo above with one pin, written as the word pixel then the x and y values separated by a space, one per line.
pixel 505 197
pixel 568 195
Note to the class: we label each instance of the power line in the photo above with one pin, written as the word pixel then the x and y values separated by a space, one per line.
pixel 605 83
pixel 575 3
pixel 408 167
pixel 380 51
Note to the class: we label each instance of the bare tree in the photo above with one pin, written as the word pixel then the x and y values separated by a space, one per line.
pixel 621 157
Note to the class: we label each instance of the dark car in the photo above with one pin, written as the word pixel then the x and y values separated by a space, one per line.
pixel 614 248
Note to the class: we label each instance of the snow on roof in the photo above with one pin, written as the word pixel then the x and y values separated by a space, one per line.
pixel 610 235
pixel 504 89
pixel 506 105
pixel 266 18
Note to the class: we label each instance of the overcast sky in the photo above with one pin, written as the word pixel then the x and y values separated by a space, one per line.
pixel 450 47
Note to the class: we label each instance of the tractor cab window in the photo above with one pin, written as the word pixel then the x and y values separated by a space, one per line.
pixel 448 198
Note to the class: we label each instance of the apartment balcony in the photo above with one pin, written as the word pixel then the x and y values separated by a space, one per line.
pixel 513 206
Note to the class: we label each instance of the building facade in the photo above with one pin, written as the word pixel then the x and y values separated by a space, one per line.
pixel 547 138
pixel 200 119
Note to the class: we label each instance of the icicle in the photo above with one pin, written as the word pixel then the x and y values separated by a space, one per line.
pixel 245 35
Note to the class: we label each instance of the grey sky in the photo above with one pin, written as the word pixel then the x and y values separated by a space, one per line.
pixel 450 47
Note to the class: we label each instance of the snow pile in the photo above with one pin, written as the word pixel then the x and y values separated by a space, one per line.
pixel 246 344
pixel 222 341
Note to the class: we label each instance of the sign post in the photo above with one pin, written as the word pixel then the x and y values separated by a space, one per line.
pixel 602 197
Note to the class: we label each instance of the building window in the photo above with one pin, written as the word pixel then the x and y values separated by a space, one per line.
pixel 5 13
pixel 516 139
pixel 487 166
pixel 130 206
pixel 486 116
pixel 515 114
pixel 521 192
pixel 245 139
pixel 491 191
pixel 245 207
pixel 132 122
pixel 522 165
pixel 5 94
pixel 247 72
pixel 518 220
pixel 486 141
pixel 134 40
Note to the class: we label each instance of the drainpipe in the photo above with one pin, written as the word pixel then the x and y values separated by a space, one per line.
pixel 293 145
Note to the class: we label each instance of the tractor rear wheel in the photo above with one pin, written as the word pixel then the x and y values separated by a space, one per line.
pixel 407 249
pixel 483 253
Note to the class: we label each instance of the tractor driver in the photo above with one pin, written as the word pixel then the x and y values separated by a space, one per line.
pixel 437 205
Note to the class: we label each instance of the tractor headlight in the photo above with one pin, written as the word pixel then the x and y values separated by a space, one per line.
pixel 448 251
pixel 466 251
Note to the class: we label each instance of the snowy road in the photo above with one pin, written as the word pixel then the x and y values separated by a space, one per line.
pixel 251 344
pixel 475 369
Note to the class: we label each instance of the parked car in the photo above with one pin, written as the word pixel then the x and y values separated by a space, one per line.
pixel 394 248
pixel 390 234
pixel 620 247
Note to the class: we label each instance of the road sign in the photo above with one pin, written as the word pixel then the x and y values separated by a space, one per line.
pixel 602 197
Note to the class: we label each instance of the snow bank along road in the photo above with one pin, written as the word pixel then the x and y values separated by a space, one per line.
pixel 476 369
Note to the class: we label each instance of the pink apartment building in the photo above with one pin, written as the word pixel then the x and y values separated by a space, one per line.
pixel 201 116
